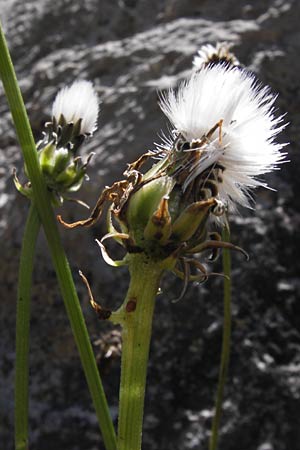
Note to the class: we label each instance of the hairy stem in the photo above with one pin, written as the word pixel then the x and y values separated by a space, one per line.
pixel 137 314
pixel 43 204
pixel 225 343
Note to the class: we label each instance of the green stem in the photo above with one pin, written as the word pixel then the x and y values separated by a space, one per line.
pixel 225 343
pixel 60 263
pixel 22 329
pixel 137 325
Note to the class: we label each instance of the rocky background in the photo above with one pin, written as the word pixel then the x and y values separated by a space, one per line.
pixel 131 49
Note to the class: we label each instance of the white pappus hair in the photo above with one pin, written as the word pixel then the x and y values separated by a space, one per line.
pixel 211 54
pixel 244 143
pixel 75 102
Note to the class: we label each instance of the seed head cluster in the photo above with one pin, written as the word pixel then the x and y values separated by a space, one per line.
pixel 243 143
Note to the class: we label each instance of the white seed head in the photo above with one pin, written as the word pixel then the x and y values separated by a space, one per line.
pixel 75 102
pixel 243 142
pixel 214 54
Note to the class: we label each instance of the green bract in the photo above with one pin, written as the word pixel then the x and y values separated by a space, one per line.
pixel 62 172
pixel 154 214
pixel 144 216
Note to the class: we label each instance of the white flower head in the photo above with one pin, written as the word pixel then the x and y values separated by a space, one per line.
pixel 209 54
pixel 228 120
pixel 75 102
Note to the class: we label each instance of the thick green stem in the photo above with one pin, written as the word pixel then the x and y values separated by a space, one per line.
pixel 22 329
pixel 43 204
pixel 137 325
pixel 225 343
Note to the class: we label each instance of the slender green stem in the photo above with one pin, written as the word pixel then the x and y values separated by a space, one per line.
pixel 22 329
pixel 137 325
pixel 225 343
pixel 45 211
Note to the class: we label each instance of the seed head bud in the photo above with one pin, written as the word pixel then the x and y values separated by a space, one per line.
pixel 74 117
pixel 225 130
pixel 78 105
